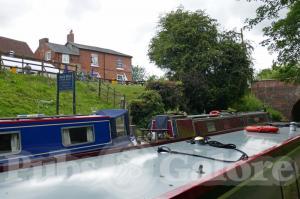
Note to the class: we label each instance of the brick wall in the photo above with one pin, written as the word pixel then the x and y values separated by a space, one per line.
pixel 279 95
pixel 107 64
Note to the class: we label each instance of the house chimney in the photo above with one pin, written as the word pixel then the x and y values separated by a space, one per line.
pixel 43 41
pixel 70 37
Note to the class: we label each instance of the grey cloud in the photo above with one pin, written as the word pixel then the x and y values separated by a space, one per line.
pixel 77 8
pixel 12 10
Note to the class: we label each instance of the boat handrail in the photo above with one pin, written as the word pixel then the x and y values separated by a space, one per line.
pixel 41 117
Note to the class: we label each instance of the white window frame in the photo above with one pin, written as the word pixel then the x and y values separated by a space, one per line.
pixel 65 58
pixel 18 144
pixel 119 63
pixel 48 55
pixel 65 136
pixel 94 60
pixel 123 77
pixel 96 74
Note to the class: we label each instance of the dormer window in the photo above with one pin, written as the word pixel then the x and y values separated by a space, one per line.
pixel 48 55
pixel 94 60
pixel 65 59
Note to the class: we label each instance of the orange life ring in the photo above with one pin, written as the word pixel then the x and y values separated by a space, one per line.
pixel 214 113
pixel 262 129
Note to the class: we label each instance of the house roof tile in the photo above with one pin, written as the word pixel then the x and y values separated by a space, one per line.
pixel 20 48
pixel 62 49
pixel 97 49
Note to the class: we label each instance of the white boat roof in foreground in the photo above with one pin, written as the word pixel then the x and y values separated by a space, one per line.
pixel 141 173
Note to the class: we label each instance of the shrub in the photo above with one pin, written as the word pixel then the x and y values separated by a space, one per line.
pixel 250 103
pixel 170 91
pixel 142 109
pixel 275 115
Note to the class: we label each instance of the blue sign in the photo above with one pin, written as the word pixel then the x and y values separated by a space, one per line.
pixel 65 81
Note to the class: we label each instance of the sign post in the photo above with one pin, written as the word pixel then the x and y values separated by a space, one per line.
pixel 66 82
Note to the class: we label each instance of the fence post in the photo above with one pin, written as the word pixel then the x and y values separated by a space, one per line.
pixel 123 102
pixel 107 93
pixel 114 97
pixel 0 62
pixel 42 72
pixel 22 65
pixel 99 88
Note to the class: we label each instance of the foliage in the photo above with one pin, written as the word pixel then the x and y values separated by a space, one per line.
pixel 138 73
pixel 283 33
pixel 250 103
pixel 274 115
pixel 152 78
pixel 170 91
pixel 28 94
pixel 268 73
pixel 213 66
pixel 147 104
pixel 288 73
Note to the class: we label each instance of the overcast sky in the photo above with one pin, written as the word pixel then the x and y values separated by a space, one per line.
pixel 122 25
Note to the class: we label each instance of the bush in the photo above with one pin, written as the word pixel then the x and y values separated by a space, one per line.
pixel 170 91
pixel 142 109
pixel 275 116
pixel 250 103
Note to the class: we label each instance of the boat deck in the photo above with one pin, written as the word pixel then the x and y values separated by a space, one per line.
pixel 139 173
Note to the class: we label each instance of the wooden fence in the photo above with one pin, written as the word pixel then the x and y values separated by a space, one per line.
pixel 108 93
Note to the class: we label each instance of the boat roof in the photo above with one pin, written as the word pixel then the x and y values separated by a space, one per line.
pixel 32 118
pixel 141 173
pixel 114 113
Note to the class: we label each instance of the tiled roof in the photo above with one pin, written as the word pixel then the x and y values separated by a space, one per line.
pixel 19 47
pixel 62 49
pixel 97 49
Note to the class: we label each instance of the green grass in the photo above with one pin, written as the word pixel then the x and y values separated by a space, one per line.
pixel 27 94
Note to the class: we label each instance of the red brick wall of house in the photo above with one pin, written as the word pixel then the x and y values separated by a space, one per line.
pixel 40 52
pixel 107 63
pixel 56 57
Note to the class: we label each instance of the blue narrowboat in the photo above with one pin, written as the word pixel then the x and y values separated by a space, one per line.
pixel 34 138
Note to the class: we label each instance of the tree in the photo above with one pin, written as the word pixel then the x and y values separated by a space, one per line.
pixel 142 109
pixel 138 73
pixel 268 73
pixel 170 91
pixel 213 66
pixel 284 30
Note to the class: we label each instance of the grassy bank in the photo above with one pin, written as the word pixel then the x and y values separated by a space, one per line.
pixel 27 94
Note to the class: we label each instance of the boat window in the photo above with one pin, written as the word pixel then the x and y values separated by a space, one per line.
pixel 77 135
pixel 120 126
pixel 211 126
pixel 251 120
pixel 9 143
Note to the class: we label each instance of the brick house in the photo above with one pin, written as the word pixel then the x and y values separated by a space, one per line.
pixel 101 62
pixel 18 48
